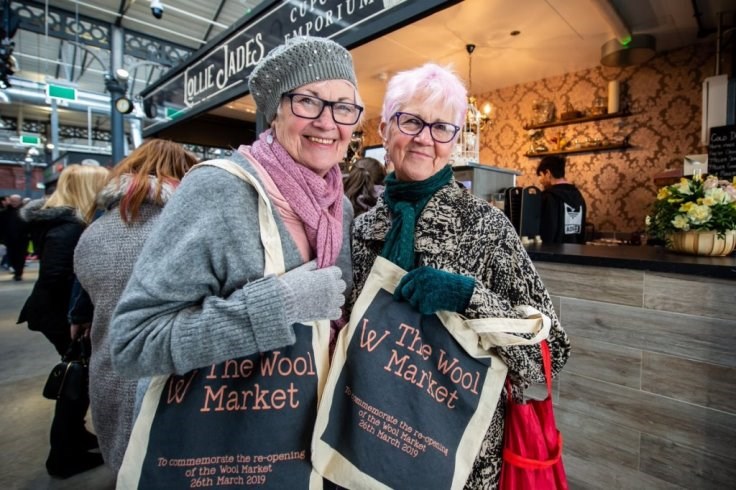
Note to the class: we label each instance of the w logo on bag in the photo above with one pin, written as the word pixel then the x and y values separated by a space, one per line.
pixel 178 387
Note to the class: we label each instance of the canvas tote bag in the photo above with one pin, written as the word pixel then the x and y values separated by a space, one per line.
pixel 409 397
pixel 245 422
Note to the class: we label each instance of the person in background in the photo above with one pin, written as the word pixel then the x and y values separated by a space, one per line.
pixel 138 189
pixel 461 253
pixel 56 224
pixel 364 184
pixel 197 295
pixel 4 261
pixel 15 235
pixel 562 218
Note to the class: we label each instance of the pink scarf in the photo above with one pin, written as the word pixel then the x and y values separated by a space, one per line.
pixel 316 200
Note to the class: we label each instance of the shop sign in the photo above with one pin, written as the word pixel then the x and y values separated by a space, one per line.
pixel 220 72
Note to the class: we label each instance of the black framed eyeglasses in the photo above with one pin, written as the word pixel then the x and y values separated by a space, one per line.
pixel 311 107
pixel 412 125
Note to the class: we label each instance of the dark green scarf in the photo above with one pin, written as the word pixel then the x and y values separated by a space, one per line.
pixel 406 200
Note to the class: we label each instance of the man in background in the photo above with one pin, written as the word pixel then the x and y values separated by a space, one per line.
pixel 562 218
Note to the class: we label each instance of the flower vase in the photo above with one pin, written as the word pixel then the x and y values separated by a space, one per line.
pixel 702 242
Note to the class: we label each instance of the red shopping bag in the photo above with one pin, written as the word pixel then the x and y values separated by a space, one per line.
pixel 532 449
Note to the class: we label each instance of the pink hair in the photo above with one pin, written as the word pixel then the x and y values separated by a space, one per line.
pixel 432 84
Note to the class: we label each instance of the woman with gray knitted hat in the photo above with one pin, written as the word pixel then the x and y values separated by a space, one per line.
pixel 198 295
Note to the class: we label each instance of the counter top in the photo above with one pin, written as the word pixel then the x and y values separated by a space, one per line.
pixel 487 167
pixel 656 259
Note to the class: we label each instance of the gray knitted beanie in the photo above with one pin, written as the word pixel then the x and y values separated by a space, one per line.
pixel 299 61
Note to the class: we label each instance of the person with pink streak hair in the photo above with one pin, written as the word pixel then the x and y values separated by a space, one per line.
pixel 461 253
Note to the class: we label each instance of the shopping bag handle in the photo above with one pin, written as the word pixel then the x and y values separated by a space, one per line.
pixel 546 365
pixel 82 356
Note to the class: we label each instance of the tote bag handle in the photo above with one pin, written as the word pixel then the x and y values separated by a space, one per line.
pixel 498 332
pixel 270 238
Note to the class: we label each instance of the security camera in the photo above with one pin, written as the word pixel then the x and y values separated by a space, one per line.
pixel 157 8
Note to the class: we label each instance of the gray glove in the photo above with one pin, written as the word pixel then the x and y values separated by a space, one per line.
pixel 313 294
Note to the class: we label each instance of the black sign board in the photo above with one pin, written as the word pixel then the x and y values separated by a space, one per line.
pixel 219 71
pixel 722 152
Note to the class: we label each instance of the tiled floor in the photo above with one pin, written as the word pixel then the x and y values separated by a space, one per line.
pixel 25 416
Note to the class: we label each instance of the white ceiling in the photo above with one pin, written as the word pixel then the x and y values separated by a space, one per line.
pixel 556 37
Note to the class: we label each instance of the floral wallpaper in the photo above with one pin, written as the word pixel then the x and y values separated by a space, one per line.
pixel 664 98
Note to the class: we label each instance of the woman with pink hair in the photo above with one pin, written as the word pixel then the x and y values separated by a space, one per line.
pixel 461 253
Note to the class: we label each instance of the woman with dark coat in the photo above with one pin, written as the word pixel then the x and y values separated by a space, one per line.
pixel 56 224
pixel 461 254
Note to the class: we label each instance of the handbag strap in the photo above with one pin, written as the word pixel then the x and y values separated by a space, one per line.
pixel 546 365
pixel 72 354
pixel 270 238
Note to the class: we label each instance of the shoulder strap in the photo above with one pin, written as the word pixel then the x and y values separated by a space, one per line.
pixel 270 237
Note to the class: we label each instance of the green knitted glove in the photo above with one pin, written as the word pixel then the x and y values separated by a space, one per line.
pixel 429 290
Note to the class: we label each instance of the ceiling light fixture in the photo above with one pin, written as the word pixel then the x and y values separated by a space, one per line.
pixel 474 118
pixel 122 75
pixel 638 49
pixel 627 48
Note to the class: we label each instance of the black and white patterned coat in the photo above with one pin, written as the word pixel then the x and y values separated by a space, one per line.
pixel 461 233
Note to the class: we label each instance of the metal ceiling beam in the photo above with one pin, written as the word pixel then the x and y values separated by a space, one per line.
pixel 121 13
pixel 96 34
pixel 84 64
pixel 214 19
pixel 60 57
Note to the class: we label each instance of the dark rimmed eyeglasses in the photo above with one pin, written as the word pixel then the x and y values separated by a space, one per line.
pixel 311 107
pixel 412 125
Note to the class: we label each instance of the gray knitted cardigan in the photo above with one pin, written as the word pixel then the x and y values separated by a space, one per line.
pixel 197 295
pixel 103 261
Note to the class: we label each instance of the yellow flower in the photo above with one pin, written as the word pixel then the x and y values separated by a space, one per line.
pixel 686 207
pixel 699 214
pixel 708 201
pixel 680 222
pixel 663 193
pixel 683 187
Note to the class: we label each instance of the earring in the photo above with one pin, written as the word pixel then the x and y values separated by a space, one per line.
pixel 269 139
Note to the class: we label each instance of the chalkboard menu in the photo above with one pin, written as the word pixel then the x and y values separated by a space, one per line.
pixel 722 152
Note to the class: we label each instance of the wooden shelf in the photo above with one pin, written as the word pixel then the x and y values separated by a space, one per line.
pixel 622 145
pixel 579 120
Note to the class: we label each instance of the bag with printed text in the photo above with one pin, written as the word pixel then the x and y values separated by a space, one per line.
pixel 409 397
pixel 245 422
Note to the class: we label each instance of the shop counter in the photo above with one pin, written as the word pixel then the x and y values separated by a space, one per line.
pixel 656 259
pixel 646 398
